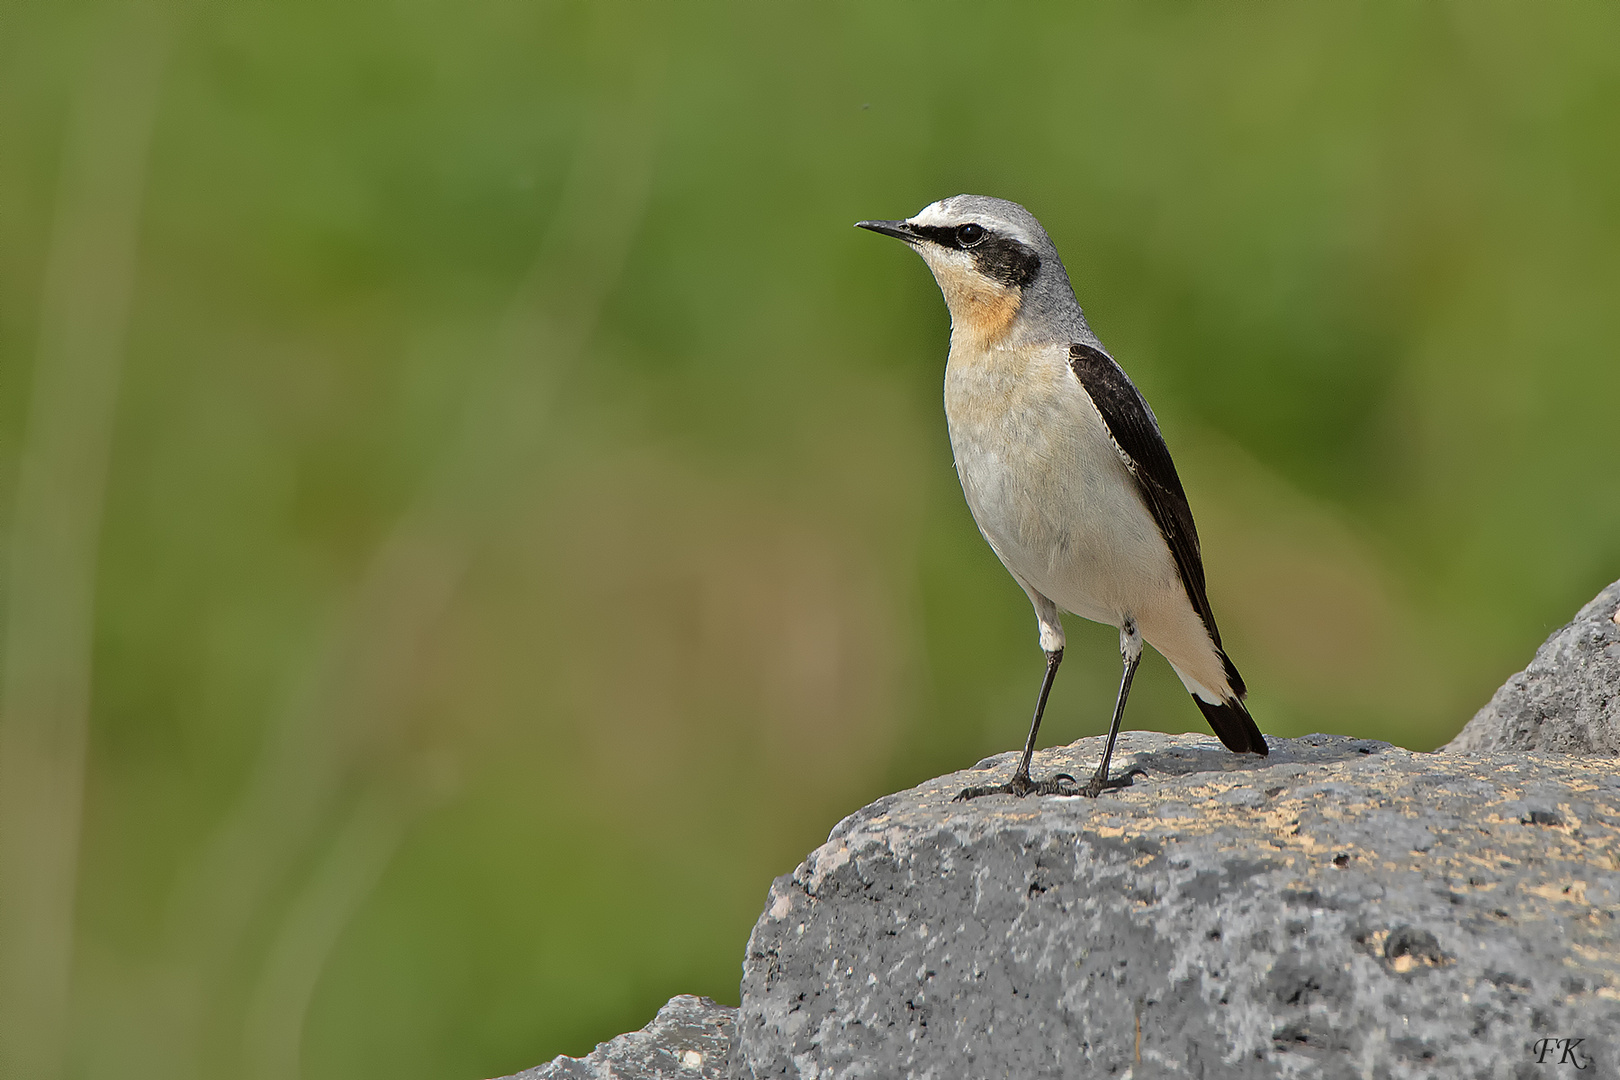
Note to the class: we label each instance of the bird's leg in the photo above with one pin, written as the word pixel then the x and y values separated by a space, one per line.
pixel 1130 651
pixel 1021 784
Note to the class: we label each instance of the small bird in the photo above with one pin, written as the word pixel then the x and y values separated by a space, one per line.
pixel 1065 471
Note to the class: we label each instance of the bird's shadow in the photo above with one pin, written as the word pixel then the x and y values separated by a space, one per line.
pixel 1306 750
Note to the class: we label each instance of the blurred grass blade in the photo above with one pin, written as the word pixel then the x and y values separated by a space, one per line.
pixel 44 710
pixel 354 863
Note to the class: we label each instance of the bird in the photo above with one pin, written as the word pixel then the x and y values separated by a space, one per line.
pixel 1066 472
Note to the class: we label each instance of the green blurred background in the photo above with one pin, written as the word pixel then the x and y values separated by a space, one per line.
pixel 476 511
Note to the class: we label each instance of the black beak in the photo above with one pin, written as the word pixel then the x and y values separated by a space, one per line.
pixel 900 230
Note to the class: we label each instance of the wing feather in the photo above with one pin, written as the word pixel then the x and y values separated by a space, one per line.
pixel 1135 431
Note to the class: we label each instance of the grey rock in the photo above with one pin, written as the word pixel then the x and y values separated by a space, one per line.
pixel 689 1039
pixel 1343 908
pixel 1568 700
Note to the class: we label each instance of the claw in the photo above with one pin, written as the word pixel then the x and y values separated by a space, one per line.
pixel 1098 785
pixel 1059 784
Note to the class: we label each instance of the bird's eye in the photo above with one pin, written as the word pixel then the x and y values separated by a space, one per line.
pixel 969 234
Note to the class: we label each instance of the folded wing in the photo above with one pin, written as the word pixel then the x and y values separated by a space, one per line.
pixel 1141 447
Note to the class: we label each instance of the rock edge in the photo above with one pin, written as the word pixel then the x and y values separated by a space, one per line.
pixel 689 1039
pixel 1568 700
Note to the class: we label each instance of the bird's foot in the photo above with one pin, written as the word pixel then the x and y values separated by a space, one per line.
pixel 1021 785
pixel 1097 785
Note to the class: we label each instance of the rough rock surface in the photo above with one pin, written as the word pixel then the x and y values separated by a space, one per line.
pixel 1343 908
pixel 1568 700
pixel 689 1039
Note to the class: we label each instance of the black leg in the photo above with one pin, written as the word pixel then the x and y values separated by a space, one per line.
pixel 1021 784
pixel 1053 659
pixel 1130 650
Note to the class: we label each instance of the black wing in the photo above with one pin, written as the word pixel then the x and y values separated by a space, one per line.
pixel 1136 435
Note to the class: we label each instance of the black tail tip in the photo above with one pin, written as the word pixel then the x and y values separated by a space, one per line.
pixel 1234 726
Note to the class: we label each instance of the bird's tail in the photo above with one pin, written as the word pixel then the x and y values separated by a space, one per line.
pixel 1225 710
pixel 1233 724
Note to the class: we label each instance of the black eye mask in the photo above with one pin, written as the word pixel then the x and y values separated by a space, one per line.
pixel 999 258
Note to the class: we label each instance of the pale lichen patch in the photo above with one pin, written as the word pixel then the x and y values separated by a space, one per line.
pixel 1573 892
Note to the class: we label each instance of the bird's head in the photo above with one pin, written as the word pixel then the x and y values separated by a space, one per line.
pixel 989 256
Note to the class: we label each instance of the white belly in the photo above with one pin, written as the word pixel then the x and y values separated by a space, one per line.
pixel 1048 489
